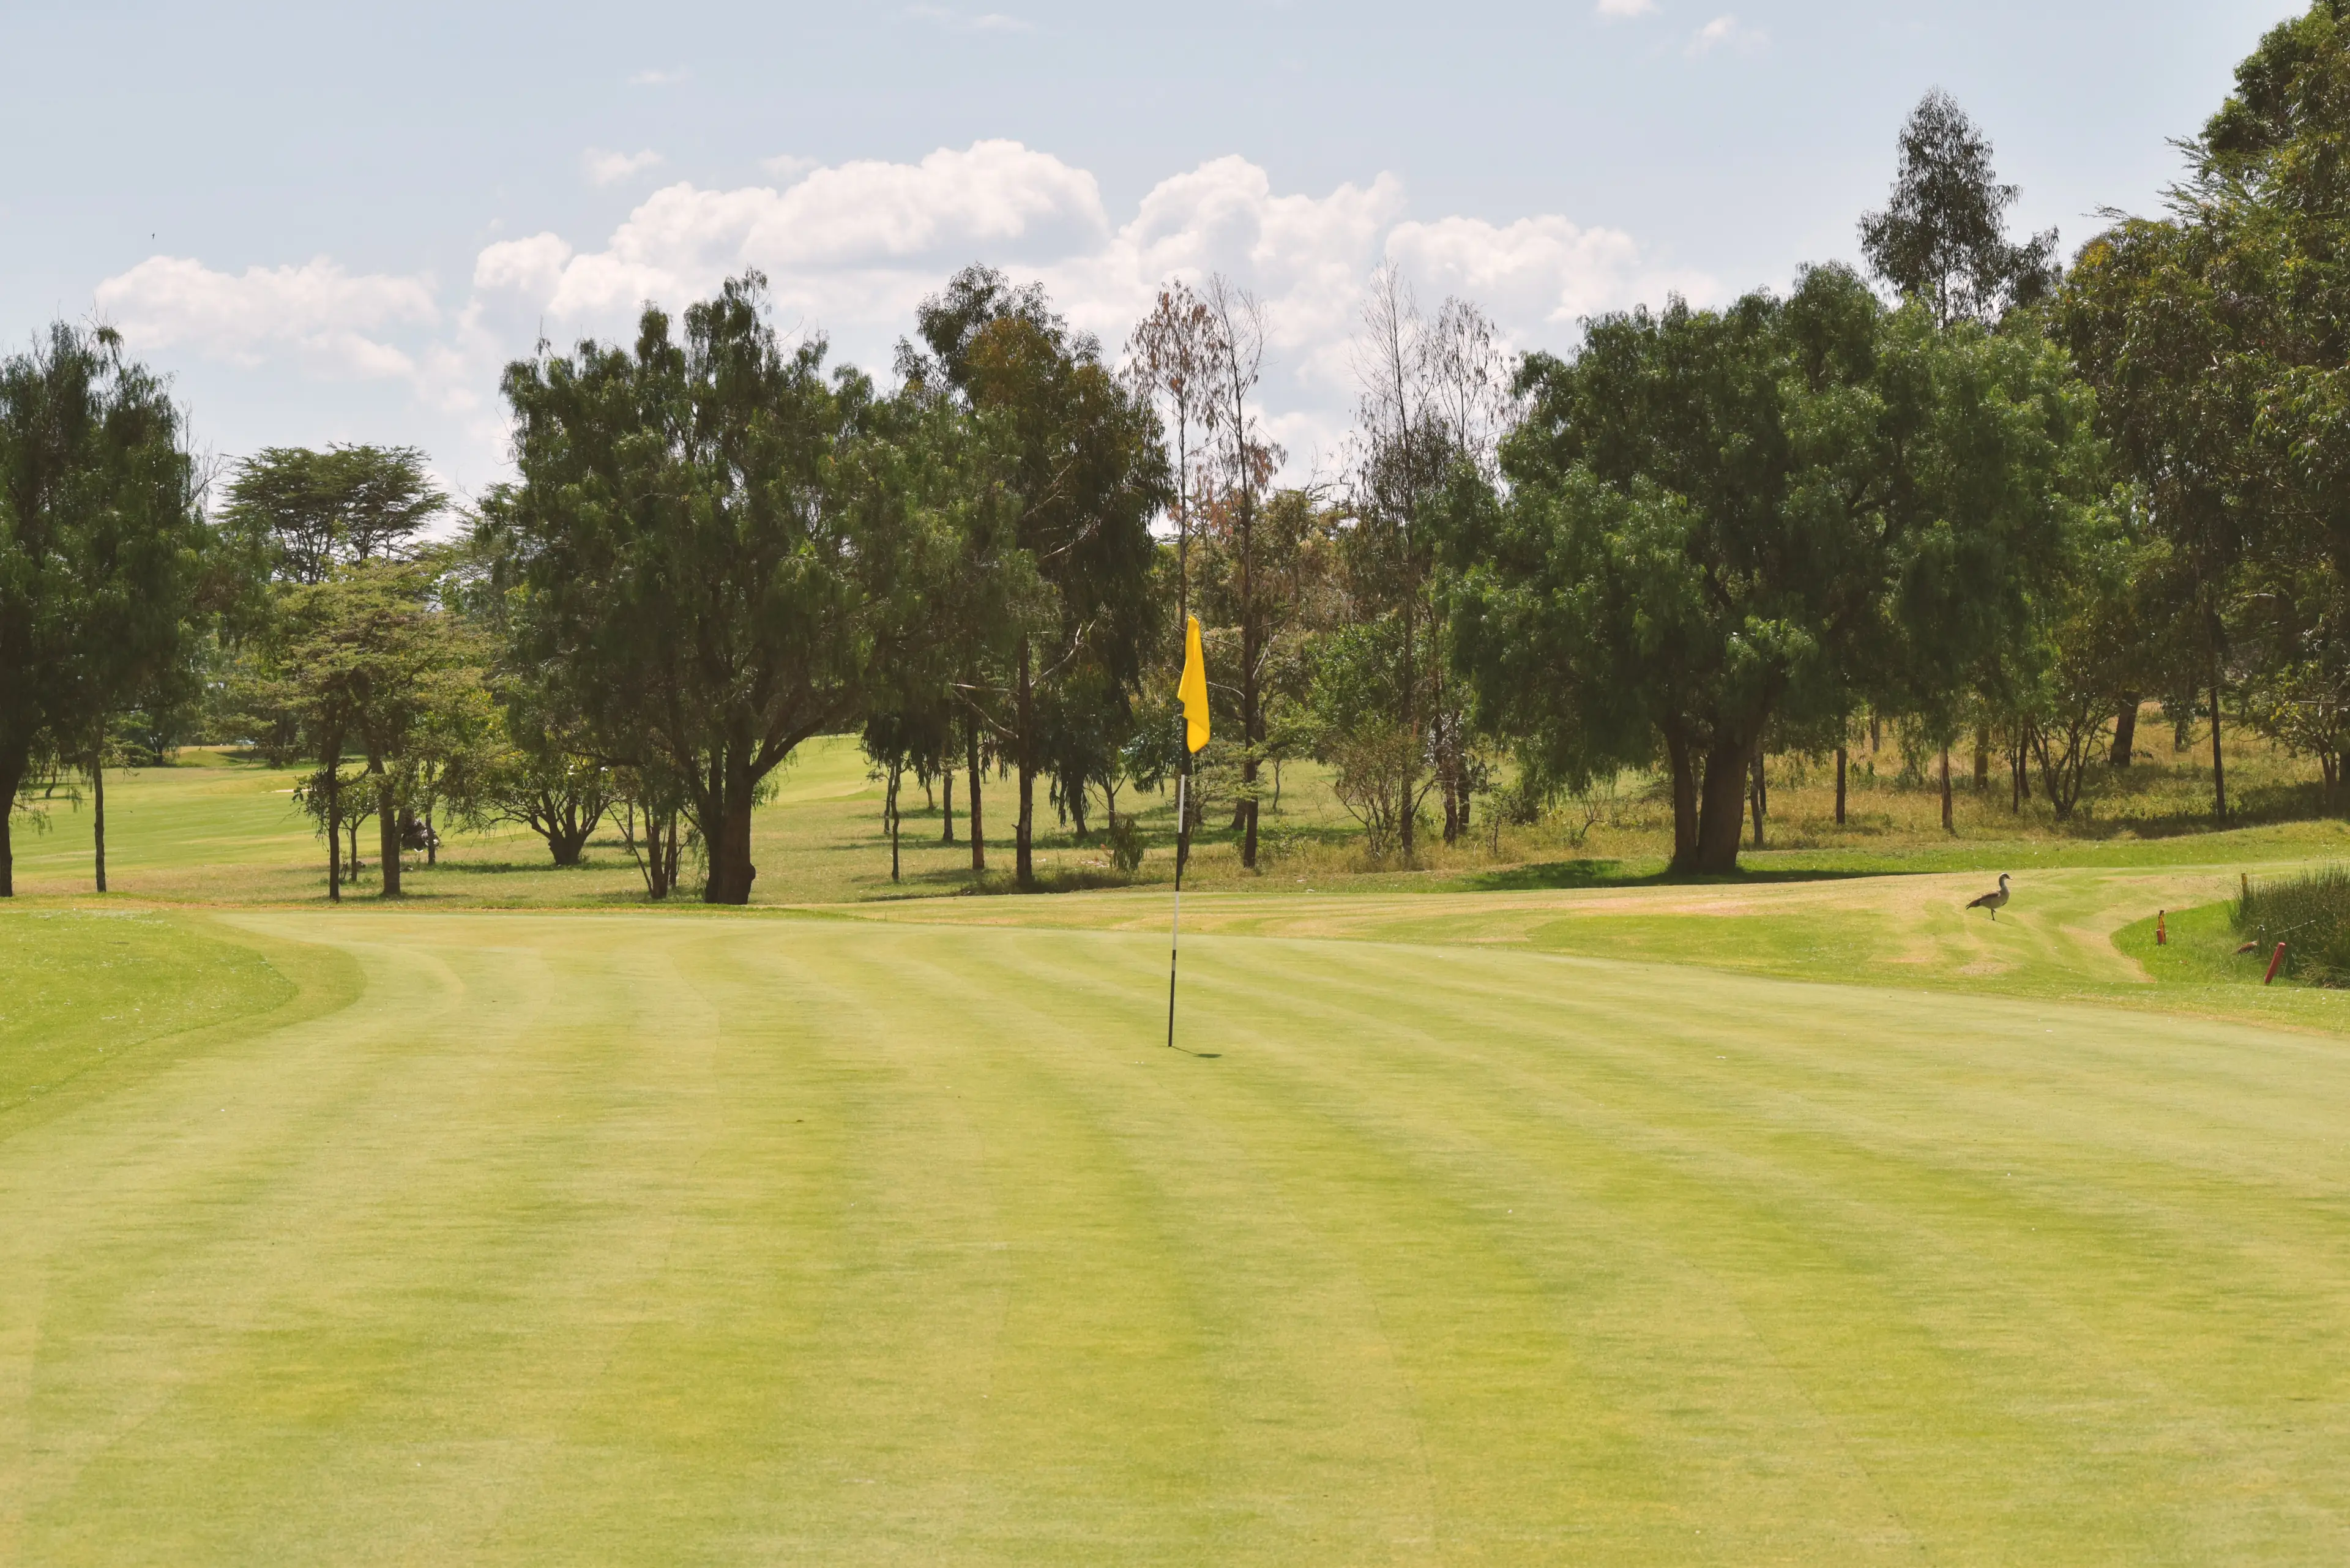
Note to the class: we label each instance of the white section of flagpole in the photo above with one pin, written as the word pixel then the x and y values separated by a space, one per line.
pixel 1175 927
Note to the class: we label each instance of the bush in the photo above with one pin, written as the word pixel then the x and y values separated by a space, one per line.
pixel 2309 913
pixel 1125 841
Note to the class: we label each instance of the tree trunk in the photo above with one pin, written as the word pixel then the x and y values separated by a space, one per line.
pixel 1840 763
pixel 2124 733
pixel 2218 764
pixel 98 821
pixel 1755 797
pixel 432 840
pixel 731 871
pixel 896 773
pixel 1683 766
pixel 946 789
pixel 334 833
pixel 1982 759
pixel 566 844
pixel 978 832
pixel 13 768
pixel 1946 791
pixel 1875 733
pixel 1721 812
pixel 1410 723
pixel 1024 851
pixel 387 816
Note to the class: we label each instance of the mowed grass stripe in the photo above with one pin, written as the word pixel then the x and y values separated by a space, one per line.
pixel 646 1238
pixel 1101 1227
pixel 2191 1267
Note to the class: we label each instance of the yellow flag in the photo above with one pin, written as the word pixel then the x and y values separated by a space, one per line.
pixel 1193 692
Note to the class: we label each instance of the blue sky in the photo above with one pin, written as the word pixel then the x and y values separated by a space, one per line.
pixel 336 226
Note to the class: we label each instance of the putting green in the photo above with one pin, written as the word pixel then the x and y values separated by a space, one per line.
pixel 702 1237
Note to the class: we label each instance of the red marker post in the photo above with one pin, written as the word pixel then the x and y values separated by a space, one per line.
pixel 2276 961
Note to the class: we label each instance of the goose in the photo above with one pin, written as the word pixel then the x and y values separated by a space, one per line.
pixel 1993 901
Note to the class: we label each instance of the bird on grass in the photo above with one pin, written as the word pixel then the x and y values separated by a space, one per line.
pixel 1993 901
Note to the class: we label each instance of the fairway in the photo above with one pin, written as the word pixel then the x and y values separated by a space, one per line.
pixel 503 1237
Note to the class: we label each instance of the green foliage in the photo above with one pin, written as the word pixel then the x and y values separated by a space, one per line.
pixel 1125 841
pixel 301 513
pixel 1769 515
pixel 103 552
pixel 694 548
pixel 1942 239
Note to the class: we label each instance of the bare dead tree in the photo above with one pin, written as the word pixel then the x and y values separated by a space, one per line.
pixel 1242 468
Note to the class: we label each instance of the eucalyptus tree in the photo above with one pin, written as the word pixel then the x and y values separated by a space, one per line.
pixel 102 548
pixel 1083 463
pixel 1436 397
pixel 1942 238
pixel 1244 464
pixel 1177 355
pixel 1721 520
pixel 2217 337
pixel 693 553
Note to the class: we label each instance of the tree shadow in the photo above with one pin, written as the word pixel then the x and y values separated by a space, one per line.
pixel 1588 873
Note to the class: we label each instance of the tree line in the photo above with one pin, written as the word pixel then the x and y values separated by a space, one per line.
pixel 1975 494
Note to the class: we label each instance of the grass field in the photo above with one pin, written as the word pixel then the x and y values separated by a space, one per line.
pixel 1511 1213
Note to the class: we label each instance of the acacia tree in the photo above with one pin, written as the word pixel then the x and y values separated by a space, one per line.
pixel 358 658
pixel 101 550
pixel 306 511
pixel 1719 520
pixel 694 556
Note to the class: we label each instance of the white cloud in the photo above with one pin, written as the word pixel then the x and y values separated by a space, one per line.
pixel 532 266
pixel 851 248
pixel 606 168
pixel 1541 270
pixel 332 322
pixel 853 238
pixel 787 165
pixel 1727 32
pixel 1617 9
pixel 660 78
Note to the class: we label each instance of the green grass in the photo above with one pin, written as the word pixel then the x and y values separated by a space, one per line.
pixel 1533 1211
pixel 648 1238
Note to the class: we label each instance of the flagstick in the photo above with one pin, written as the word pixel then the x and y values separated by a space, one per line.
pixel 1174 931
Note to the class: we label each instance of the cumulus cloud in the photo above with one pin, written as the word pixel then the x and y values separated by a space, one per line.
pixel 606 168
pixel 789 165
pixel 851 239
pixel 851 248
pixel 670 78
pixel 1726 31
pixel 333 322
pixel 1616 9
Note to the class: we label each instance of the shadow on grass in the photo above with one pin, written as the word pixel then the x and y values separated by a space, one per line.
pixel 1637 874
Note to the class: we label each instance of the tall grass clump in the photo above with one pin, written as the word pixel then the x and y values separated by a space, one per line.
pixel 2309 913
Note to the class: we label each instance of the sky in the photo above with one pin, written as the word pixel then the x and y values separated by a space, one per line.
pixel 339 223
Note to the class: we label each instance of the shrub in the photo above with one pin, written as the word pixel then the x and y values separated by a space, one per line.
pixel 1125 840
pixel 2309 913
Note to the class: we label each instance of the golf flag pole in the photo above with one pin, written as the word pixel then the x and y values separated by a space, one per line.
pixel 1192 693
